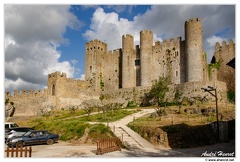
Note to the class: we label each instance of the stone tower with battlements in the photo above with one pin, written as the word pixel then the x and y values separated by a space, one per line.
pixel 146 43
pixel 193 50
pixel 128 61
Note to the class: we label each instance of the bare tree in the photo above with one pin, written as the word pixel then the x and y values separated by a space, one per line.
pixel 89 105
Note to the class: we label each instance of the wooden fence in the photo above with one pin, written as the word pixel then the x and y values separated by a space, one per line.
pixel 108 145
pixel 19 152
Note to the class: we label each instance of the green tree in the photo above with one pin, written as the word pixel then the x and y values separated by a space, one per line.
pixel 158 90
pixel 178 99
pixel 157 94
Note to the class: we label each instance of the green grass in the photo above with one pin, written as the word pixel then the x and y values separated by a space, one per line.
pixel 62 114
pixel 99 131
pixel 74 128
pixel 110 116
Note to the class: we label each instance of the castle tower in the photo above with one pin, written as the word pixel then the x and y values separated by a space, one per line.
pixel 95 50
pixel 146 43
pixel 128 61
pixel 193 50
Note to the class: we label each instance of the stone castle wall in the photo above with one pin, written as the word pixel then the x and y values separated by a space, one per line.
pixel 224 53
pixel 182 61
pixel 62 92
pixel 190 90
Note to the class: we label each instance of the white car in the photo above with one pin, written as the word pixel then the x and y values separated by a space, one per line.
pixel 10 125
pixel 16 132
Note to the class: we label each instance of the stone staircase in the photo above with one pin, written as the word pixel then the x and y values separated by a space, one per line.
pixel 128 141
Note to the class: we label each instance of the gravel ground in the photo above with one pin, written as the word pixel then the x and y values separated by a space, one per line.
pixel 65 149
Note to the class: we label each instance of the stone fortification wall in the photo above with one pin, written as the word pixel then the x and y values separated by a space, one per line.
pixel 223 54
pixel 62 92
pixel 189 90
pixel 166 60
pixel 124 95
pixel 60 85
pixel 110 70
pixel 193 89
pixel 26 104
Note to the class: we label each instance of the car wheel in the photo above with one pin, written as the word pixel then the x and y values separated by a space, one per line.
pixel 20 144
pixel 50 141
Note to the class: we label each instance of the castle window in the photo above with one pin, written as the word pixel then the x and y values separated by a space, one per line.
pixel 53 90
pixel 90 67
pixel 176 73
pixel 137 62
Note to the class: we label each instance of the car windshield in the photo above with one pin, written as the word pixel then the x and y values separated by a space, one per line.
pixel 14 125
pixel 27 134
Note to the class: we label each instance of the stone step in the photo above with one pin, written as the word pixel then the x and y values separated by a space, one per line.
pixel 128 141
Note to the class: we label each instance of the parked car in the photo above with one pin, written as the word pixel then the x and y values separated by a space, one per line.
pixel 10 125
pixel 16 132
pixel 33 137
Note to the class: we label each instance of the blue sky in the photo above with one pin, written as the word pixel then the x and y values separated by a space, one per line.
pixel 40 39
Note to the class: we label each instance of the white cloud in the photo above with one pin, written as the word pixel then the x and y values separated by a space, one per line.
pixel 19 84
pixel 82 77
pixel 109 28
pixel 32 35
pixel 212 40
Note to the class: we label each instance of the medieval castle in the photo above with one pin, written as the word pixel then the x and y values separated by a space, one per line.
pixel 125 74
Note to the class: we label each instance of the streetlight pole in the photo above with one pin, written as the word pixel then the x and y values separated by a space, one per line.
pixel 216 98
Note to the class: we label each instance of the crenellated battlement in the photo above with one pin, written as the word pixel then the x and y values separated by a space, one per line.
pixel 167 43
pixel 193 20
pixel 127 36
pixel 146 32
pixel 57 74
pixel 96 45
pixel 26 93
pixel 114 52
pixel 224 45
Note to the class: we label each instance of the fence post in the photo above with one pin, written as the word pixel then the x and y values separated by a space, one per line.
pixel 30 151
pixel 7 151
pixel 17 152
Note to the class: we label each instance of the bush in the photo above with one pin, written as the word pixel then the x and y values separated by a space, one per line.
pixel 231 96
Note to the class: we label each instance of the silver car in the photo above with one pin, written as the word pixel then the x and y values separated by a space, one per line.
pixel 16 132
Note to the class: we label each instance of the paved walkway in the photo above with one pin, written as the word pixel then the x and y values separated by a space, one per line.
pixel 131 139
